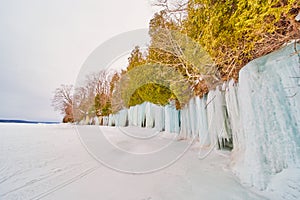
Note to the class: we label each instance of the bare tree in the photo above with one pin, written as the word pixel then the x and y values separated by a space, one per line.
pixel 101 82
pixel 96 85
pixel 83 102
pixel 175 10
pixel 63 101
pixel 187 56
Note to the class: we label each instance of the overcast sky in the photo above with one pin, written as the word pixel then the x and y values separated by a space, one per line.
pixel 43 43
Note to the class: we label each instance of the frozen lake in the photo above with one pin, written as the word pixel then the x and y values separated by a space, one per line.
pixel 50 162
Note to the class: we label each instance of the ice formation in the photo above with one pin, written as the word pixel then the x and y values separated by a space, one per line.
pixel 172 118
pixel 259 117
pixel 159 117
pixel 269 108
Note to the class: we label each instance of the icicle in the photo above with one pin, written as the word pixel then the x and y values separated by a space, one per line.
pixel 150 117
pixel 202 121
pixel 171 118
pixel 105 121
pixel 234 115
pixel 159 117
pixel 185 123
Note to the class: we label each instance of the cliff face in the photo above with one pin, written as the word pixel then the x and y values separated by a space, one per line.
pixel 269 108
pixel 258 117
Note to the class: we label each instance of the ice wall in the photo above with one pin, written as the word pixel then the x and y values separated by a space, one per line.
pixel 233 111
pixel 137 115
pixel 150 115
pixel 194 120
pixel 269 108
pixel 105 120
pixel 120 118
pixel 219 128
pixel 259 115
pixel 172 118
pixel 111 120
pixel 205 118
pixel 159 117
pixel 146 115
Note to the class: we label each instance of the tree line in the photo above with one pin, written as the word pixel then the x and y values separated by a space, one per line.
pixel 92 99
pixel 199 43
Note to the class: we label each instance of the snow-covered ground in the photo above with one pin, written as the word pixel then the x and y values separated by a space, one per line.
pixel 50 162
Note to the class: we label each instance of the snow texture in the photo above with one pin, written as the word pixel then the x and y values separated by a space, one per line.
pixel 48 162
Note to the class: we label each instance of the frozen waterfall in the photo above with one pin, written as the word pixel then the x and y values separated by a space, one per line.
pixel 259 117
pixel 267 123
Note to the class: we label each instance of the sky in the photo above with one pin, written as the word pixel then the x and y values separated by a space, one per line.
pixel 43 44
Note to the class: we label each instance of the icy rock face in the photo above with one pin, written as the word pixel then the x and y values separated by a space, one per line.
pixel 111 120
pixel 96 120
pixel 185 123
pixel 150 115
pixel 267 139
pixel 207 118
pixel 159 114
pixel 201 121
pixel 233 111
pixel 123 117
pixel 260 114
pixel 193 118
pixel 120 118
pixel 132 116
pixel 87 120
pixel 218 121
pixel 105 120
pixel 172 118
pixel 146 115
pixel 137 115
pixel 141 114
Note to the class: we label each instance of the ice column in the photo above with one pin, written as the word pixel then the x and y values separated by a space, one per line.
pixel 111 120
pixel 105 120
pixel 150 115
pixel 201 120
pixel 159 117
pixel 218 125
pixel 172 117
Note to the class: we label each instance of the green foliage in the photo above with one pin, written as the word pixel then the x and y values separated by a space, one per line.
pixel 97 104
pixel 231 30
pixel 136 58
pixel 151 92
pixel 102 105
pixel 211 44
pixel 106 109
pixel 154 83
pixel 115 78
